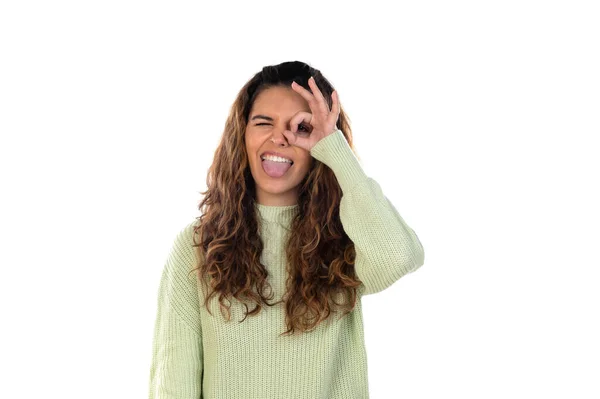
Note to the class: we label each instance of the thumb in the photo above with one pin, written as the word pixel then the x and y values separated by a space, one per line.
pixel 295 139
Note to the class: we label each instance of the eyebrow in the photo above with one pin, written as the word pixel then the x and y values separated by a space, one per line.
pixel 261 117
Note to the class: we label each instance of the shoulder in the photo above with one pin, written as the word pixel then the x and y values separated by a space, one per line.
pixel 183 247
pixel 187 232
pixel 184 255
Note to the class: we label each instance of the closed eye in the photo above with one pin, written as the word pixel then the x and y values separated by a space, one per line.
pixel 306 129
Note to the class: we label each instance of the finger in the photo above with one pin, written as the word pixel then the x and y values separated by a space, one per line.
pixel 298 141
pixel 307 95
pixel 318 95
pixel 297 119
pixel 335 108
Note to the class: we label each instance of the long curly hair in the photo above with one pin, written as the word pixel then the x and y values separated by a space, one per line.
pixel 320 255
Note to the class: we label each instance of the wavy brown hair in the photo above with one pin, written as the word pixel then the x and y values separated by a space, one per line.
pixel 320 256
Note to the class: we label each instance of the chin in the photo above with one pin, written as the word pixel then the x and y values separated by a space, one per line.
pixel 277 187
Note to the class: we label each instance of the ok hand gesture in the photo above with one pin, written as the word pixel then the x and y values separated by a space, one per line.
pixel 322 120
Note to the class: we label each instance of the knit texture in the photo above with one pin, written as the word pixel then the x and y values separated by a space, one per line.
pixel 199 355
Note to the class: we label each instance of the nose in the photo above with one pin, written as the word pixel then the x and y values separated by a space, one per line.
pixel 279 139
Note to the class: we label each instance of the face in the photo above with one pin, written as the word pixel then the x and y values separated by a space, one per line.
pixel 270 115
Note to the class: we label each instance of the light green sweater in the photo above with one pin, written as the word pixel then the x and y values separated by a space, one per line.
pixel 198 355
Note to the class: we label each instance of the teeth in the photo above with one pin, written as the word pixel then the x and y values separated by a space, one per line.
pixel 276 159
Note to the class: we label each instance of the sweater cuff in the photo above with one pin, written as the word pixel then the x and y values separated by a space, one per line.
pixel 335 152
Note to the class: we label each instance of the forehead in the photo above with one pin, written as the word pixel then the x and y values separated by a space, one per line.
pixel 279 100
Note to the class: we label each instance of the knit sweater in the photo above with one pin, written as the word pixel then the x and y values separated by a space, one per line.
pixel 199 355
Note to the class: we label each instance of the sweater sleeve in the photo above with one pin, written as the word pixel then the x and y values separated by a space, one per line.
pixel 386 247
pixel 176 369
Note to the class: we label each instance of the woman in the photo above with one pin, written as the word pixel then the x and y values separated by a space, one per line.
pixel 291 234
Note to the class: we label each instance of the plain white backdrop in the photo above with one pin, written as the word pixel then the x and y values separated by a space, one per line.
pixel 478 120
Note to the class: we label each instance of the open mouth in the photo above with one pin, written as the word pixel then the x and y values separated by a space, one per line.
pixel 276 168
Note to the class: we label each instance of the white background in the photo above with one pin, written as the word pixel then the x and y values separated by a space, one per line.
pixel 476 118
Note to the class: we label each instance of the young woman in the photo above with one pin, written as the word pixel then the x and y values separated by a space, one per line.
pixel 261 295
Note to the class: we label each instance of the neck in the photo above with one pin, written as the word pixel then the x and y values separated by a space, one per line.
pixel 277 213
pixel 287 198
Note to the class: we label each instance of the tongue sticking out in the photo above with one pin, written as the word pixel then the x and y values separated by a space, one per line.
pixel 275 169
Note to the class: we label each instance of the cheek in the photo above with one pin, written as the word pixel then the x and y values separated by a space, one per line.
pixel 306 163
pixel 250 148
pixel 252 144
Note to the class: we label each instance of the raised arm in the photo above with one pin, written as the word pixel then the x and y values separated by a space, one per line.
pixel 386 247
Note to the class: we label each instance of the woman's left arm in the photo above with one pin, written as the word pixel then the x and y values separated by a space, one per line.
pixel 386 247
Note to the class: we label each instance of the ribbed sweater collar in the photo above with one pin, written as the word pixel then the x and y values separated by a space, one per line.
pixel 280 214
